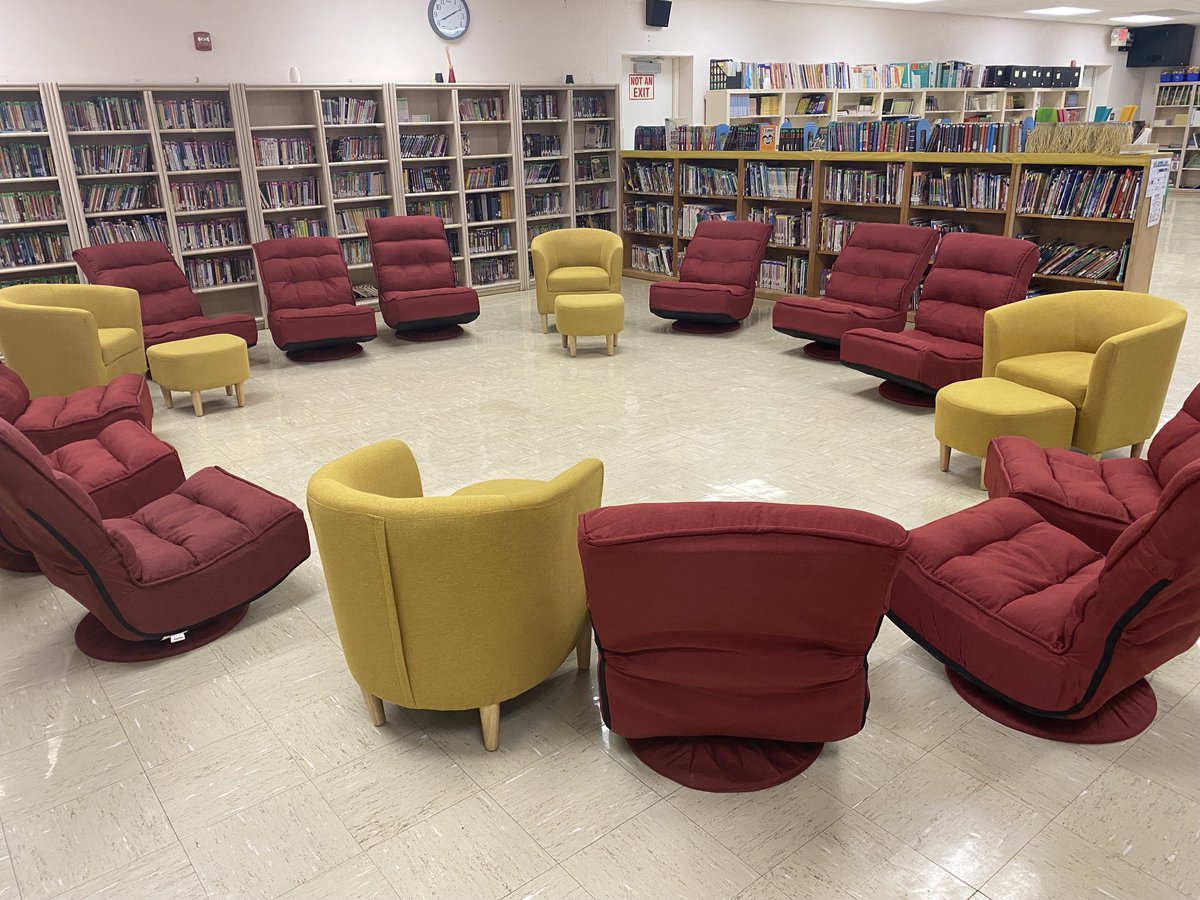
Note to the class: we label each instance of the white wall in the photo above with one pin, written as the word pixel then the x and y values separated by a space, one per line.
pixel 510 40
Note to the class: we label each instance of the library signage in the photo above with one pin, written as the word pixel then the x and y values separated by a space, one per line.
pixel 641 87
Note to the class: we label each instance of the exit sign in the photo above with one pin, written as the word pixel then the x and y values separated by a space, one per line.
pixel 641 87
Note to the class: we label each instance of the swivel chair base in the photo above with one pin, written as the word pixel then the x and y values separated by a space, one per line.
pixel 725 764
pixel 97 642
pixel 325 354
pixel 899 393
pixel 687 326
pixel 827 352
pixel 430 334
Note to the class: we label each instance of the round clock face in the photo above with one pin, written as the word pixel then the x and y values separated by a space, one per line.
pixel 449 18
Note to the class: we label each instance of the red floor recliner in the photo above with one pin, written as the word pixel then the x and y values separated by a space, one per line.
pixel 418 294
pixel 310 300
pixel 1039 631
pixel 872 282
pixel 172 576
pixel 715 290
pixel 1093 499
pixel 170 310
pixel 971 274
pixel 733 636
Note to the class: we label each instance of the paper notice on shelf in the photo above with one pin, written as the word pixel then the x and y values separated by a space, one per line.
pixel 1156 189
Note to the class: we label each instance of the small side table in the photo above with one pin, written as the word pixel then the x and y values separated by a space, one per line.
pixel 200 364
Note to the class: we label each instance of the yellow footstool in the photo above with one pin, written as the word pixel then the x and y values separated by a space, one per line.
pixel 969 414
pixel 200 364
pixel 589 315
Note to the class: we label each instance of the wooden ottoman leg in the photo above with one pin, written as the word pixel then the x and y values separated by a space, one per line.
pixel 489 720
pixel 982 472
pixel 197 403
pixel 564 340
pixel 1135 452
pixel 572 344
pixel 545 324
pixel 944 457
pixel 229 390
pixel 240 389
pixel 615 336
pixel 611 341
pixel 166 392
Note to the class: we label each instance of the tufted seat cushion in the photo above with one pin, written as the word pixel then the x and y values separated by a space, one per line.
pixel 913 358
pixel 694 300
pixel 201 326
pixel 50 422
pixel 442 306
pixel 717 275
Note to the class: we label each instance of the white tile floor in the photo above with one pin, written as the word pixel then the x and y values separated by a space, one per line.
pixel 249 768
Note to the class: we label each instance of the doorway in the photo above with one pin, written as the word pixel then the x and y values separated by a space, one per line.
pixel 669 98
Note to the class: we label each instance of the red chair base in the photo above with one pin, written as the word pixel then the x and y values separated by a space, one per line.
pixel 325 354
pixel 725 764
pixel 97 642
pixel 430 334
pixel 822 351
pixel 688 327
pixel 1124 716
pixel 907 396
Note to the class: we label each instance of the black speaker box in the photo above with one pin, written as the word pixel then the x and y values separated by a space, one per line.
pixel 1160 45
pixel 658 13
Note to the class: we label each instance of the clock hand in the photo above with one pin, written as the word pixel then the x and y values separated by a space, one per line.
pixel 444 19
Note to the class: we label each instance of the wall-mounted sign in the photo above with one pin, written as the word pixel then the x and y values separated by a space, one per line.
pixel 641 87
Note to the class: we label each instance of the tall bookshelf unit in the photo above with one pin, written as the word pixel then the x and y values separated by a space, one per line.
pixel 813 200
pixel 1177 108
pixel 37 227
pixel 594 131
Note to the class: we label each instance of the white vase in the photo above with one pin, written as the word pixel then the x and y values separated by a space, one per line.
pixel 294 75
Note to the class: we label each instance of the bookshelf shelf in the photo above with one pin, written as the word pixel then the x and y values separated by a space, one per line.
pixel 491 222
pixel 42 267
pixel 498 189
pixel 1095 219
pixel 115 176
pixel 292 209
pixel 351 163
pixel 258 128
pixel 287 168
pixel 405 123
pixel 493 254
pixel 959 209
pixel 368 199
pixel 44 223
pixel 110 213
pixel 28 179
pixel 196 130
pixel 1073 280
pixel 215 211
pixel 171 173
pixel 548 217
pixel 213 288
pixel 208 251
pixel 541 121
pixel 108 132
pixel 23 134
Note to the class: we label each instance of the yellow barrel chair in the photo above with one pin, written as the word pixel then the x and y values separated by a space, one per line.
pixel 574 261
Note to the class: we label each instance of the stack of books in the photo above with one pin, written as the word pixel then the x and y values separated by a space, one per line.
pixel 108 197
pixel 788 227
pixel 298 228
pixel 835 232
pixel 206 234
pixel 880 186
pixel 282 194
pixel 214 271
pixel 418 145
pixel 489 176
pixel 1093 261
pixel 34 248
pixel 353 219
pixel 650 137
pixel 789 276
pixel 543 173
pixel 481 109
pixel 489 207
pixel 192 113
pixel 30 206
pixel 960 188
pixel 872 137
pixel 122 231
pixel 535 145
pixel 193 156
pixel 427 179
pixel 649 218
pixel 284 151
pixel 359 184
pixel 367 148
pixel 104 114
pixel 707 181
pixel 649 177
pixel 692 214
pixel 22 115
pixel 348 111
pixel 194 195
pixel 1087 193
pixel 539 106
pixel 110 159
pixel 765 181
pixel 25 161
pixel 976 137
pixel 651 259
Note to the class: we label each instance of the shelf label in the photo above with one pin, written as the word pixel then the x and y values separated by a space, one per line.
pixel 1156 189
pixel 641 87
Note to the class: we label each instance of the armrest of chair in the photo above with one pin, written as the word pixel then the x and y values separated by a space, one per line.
pixel 112 307
pixel 386 470
pixel 611 256
pixel 1023 329
pixel 55 349
pixel 545 261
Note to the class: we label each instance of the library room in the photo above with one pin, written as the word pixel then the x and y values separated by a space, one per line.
pixel 597 449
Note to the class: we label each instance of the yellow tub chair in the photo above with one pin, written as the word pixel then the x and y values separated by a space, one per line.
pixel 574 261
pixel 455 602
pixel 63 337
pixel 1110 353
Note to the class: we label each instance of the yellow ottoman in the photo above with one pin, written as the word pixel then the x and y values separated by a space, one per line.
pixel 587 315
pixel 968 414
pixel 200 364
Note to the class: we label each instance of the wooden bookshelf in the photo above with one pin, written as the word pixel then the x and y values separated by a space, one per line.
pixel 807 255
pixel 1176 106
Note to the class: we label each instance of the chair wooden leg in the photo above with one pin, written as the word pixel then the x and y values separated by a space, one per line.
pixel 615 337
pixel 944 457
pixel 489 720
pixel 167 399
pixel 572 343
pixel 611 341
pixel 545 324
pixel 375 708
pixel 1135 452
pixel 1095 455
pixel 583 647
pixel 240 391
pixel 229 390
pixel 982 473
pixel 197 403
pixel 564 340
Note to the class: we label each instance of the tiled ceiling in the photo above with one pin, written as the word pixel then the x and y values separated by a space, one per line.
pixel 1187 11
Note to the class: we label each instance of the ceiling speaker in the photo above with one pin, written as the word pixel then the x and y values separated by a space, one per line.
pixel 658 13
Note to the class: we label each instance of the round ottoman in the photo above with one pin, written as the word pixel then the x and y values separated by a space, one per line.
pixel 968 414
pixel 200 364
pixel 589 315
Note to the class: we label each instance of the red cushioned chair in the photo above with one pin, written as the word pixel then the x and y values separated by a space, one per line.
pixel 418 294
pixel 49 422
pixel 183 567
pixel 1093 499
pixel 733 636
pixel 971 274
pixel 872 282
pixel 311 309
pixel 170 310
pixel 122 469
pixel 715 291
pixel 1039 631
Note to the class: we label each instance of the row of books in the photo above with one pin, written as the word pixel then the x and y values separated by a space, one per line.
pixel 941 226
pixel 492 175
pixel 284 151
pixel 443 209
pixel 493 271
pixel 590 106
pixel 539 106
pixel 789 276
pixel 45 279
pixel 726 74
pixel 895 135
pixel 649 217
pixel 205 234
pixel 481 109
pixel 1089 193
pixel 789 228
pixel 960 189
pixel 348 111
pixel 30 206
pixel 543 203
pixel 110 159
pixel 297 228
pixel 353 219
pixel 534 145
pixel 864 185
pixel 812 105
pixel 426 179
pixel 835 232
pixel 1060 257
pixel 295 192
pixel 694 137
pixel 656 259
pixel 215 271
pixel 356 251
pixel 196 195
pixel 362 148
pixel 744 137
pixel 25 160
pixel 490 239
pixel 543 173
pixel 743 105
pixel 109 197
pixel 593 198
pixel 597 136
pixel 453 238
pixel 489 207
pixel 791 140
pixel 601 220
pixel 976 137
pixel 592 168
pixel 192 113
pixel 359 184
pixel 650 137
pixel 692 214
pixel 33 248
pixel 22 115
pixel 542 228
pixel 423 144
pixel 192 156
pixel 104 114
pixel 121 231
pixel 778 182
pixel 707 181
pixel 649 177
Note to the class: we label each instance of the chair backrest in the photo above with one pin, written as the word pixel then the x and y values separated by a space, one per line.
pixel 14 395
pixel 410 253
pixel 303 273
pixel 881 265
pixel 738 619
pixel 1178 442
pixel 724 252
pixel 149 268
pixel 971 274
pixel 578 246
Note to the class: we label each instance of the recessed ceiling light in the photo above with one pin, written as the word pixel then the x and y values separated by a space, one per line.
pixel 1141 19
pixel 1062 11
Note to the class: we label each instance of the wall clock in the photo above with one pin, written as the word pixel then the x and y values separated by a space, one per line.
pixel 449 19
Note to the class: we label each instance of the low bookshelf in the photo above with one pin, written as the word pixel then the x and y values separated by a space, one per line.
pixel 814 200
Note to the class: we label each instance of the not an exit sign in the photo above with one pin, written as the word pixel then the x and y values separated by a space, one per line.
pixel 641 87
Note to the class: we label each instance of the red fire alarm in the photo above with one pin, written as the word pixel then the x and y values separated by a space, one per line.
pixel 202 40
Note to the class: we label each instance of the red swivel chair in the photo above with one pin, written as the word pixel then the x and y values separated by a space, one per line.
pixel 418 294
pixel 1039 631
pixel 872 282
pixel 173 576
pixel 1093 499
pixel 971 274
pixel 311 309
pixel 733 636
pixel 170 310
pixel 715 291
